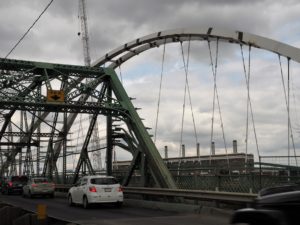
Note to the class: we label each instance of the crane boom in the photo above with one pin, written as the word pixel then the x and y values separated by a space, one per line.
pixel 95 140
pixel 84 32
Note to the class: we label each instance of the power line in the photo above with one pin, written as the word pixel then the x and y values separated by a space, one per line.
pixel 29 29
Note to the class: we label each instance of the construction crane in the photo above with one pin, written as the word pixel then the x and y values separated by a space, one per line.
pixel 84 32
pixel 82 14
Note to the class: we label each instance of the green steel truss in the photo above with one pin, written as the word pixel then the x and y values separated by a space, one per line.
pixel 23 87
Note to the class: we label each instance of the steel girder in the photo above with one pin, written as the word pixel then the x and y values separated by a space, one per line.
pixel 37 74
pixel 84 159
pixel 15 73
pixel 160 173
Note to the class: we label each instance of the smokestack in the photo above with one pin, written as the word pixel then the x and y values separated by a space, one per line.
pixel 183 151
pixel 198 149
pixel 213 150
pixel 234 146
pixel 166 152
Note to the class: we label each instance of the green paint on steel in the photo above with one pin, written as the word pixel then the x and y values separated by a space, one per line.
pixel 120 107
pixel 159 170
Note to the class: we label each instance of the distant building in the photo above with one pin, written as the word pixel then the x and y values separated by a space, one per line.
pixel 236 163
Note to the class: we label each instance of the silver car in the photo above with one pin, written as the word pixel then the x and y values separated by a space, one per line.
pixel 39 186
pixel 96 189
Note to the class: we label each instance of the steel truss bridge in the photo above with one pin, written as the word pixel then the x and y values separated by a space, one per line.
pixel 39 103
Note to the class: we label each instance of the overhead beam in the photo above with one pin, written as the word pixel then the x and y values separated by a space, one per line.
pixel 19 144
pixel 70 107
pixel 24 134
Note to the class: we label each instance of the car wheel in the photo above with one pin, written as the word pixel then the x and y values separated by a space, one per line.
pixel 51 195
pixel 85 202
pixel 70 200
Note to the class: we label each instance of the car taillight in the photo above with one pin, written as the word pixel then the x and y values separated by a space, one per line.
pixel 92 189
pixel 10 184
pixel 120 189
pixel 33 185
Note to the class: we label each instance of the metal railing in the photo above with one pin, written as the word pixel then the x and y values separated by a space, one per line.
pixel 244 199
pixel 229 197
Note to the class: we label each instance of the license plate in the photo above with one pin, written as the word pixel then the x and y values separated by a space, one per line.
pixel 107 189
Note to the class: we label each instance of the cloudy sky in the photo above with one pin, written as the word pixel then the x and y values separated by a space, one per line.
pixel 112 23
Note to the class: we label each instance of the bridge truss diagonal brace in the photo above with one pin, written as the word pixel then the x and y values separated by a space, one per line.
pixel 161 174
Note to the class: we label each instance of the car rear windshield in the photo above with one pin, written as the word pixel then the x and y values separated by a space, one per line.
pixel 104 181
pixel 19 178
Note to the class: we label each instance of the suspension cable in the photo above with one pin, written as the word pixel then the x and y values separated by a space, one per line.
pixel 23 36
pixel 189 93
pixel 214 67
pixel 185 65
pixel 183 107
pixel 213 108
pixel 159 92
pixel 296 111
pixel 248 99
pixel 247 79
pixel 287 108
pixel 186 70
pixel 294 99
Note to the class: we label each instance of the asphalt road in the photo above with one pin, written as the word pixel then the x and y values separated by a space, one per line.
pixel 109 215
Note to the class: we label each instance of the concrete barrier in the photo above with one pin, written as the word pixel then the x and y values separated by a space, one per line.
pixel 27 219
pixel 9 213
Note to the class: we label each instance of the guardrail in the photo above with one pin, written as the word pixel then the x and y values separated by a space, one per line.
pixel 216 196
pixel 244 198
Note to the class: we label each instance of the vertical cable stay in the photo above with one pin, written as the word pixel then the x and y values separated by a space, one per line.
pixel 247 79
pixel 216 97
pixel 187 89
pixel 213 107
pixel 185 65
pixel 187 86
pixel 248 99
pixel 287 108
pixel 159 92
pixel 183 108
pixel 297 119
pixel 189 93
pixel 289 124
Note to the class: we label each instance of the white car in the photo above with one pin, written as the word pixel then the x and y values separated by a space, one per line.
pixel 96 189
pixel 38 186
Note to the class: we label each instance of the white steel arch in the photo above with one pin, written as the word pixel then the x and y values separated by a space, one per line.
pixel 123 53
